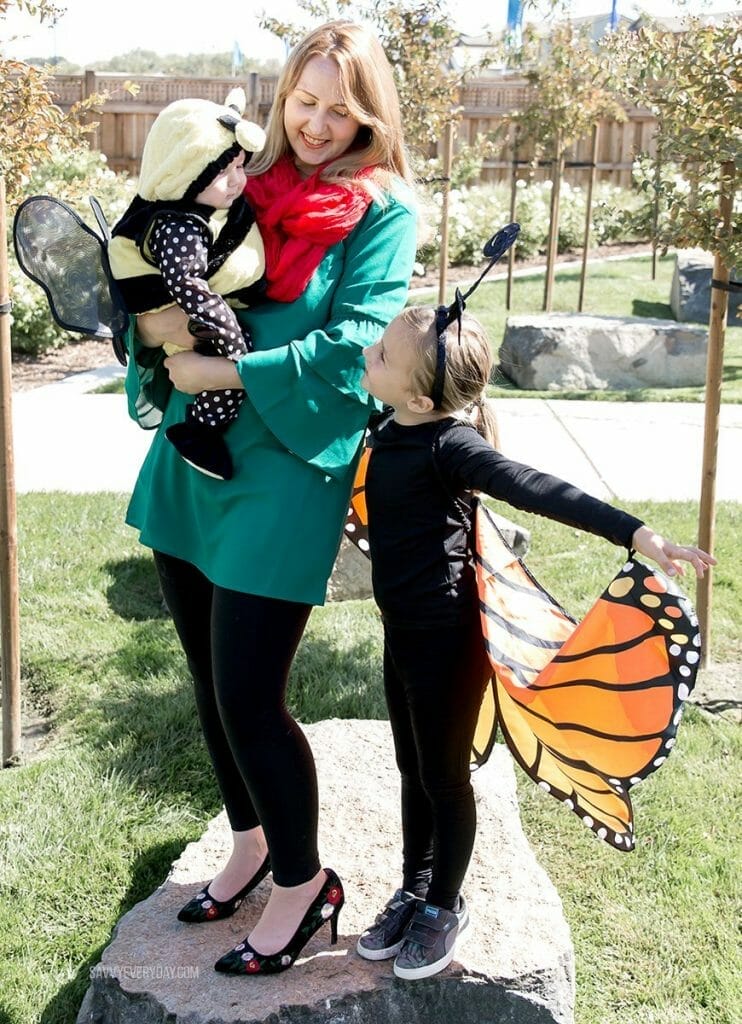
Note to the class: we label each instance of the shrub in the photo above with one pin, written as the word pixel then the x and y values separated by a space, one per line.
pixel 71 177
pixel 621 214
pixel 475 214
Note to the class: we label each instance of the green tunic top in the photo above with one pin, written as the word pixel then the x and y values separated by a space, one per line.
pixel 275 527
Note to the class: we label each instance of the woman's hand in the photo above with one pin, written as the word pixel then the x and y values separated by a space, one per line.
pixel 668 555
pixel 166 325
pixel 192 373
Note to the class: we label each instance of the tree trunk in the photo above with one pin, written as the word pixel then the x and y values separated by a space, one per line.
pixel 551 250
pixel 714 373
pixel 447 164
pixel 588 214
pixel 513 195
pixel 656 214
pixel 9 617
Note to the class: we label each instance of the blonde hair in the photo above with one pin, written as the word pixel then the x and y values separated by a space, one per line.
pixel 469 363
pixel 368 91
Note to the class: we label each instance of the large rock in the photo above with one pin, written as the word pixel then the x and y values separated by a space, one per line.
pixel 577 352
pixel 690 292
pixel 515 967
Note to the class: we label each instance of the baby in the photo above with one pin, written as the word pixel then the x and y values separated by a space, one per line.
pixel 189 237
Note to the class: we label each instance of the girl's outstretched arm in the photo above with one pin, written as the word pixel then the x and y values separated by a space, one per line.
pixel 668 555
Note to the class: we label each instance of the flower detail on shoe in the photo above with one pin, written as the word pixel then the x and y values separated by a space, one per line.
pixel 326 906
pixel 205 907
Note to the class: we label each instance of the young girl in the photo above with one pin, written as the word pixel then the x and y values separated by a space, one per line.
pixel 427 458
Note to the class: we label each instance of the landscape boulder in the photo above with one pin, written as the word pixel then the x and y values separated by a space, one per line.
pixel 580 352
pixel 514 964
pixel 690 292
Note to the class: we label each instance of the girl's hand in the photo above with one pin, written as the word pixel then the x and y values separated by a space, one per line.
pixel 192 373
pixel 668 555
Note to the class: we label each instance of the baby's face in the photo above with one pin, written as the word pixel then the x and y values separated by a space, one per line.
pixel 226 186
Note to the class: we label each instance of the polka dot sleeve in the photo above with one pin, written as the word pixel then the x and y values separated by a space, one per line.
pixel 179 248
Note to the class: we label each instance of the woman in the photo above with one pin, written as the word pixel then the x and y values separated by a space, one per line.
pixel 242 561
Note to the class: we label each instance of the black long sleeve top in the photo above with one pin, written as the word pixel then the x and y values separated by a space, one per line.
pixel 419 487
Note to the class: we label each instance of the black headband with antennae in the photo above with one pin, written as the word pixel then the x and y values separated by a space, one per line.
pixel 495 248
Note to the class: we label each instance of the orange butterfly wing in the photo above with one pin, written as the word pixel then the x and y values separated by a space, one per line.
pixel 587 710
pixel 356 522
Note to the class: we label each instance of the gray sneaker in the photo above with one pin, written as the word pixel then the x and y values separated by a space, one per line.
pixel 430 940
pixel 384 938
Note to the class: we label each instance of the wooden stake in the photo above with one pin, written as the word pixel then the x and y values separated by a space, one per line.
pixel 588 214
pixel 513 195
pixel 9 616
pixel 447 164
pixel 655 215
pixel 714 373
pixel 551 249
pixel 89 89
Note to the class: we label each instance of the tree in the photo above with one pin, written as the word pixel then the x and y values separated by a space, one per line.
pixel 32 126
pixel 25 110
pixel 199 65
pixel 32 123
pixel 690 81
pixel 570 91
pixel 419 40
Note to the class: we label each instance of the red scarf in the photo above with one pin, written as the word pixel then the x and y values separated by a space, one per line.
pixel 299 219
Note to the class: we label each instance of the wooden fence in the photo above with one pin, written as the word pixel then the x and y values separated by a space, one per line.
pixel 485 102
pixel 125 119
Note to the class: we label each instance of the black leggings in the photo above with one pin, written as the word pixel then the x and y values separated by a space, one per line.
pixel 239 649
pixel 434 681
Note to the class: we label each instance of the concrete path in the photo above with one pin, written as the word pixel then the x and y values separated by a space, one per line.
pixel 624 450
pixel 68 439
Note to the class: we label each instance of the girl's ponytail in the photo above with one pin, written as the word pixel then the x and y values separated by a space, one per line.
pixel 484 418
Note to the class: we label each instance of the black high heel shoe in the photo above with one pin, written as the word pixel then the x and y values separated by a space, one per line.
pixel 244 959
pixel 205 907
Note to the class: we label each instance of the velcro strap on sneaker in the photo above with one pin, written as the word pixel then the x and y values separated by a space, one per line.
pixel 424 928
pixel 437 924
pixel 424 937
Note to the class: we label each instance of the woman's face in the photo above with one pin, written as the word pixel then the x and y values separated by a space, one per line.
pixel 316 119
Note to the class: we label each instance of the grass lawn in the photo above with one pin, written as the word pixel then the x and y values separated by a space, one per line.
pixel 91 825
pixel 618 287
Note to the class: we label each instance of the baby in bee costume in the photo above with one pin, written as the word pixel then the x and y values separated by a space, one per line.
pixel 189 238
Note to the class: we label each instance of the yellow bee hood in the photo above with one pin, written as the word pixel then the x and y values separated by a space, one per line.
pixel 190 142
